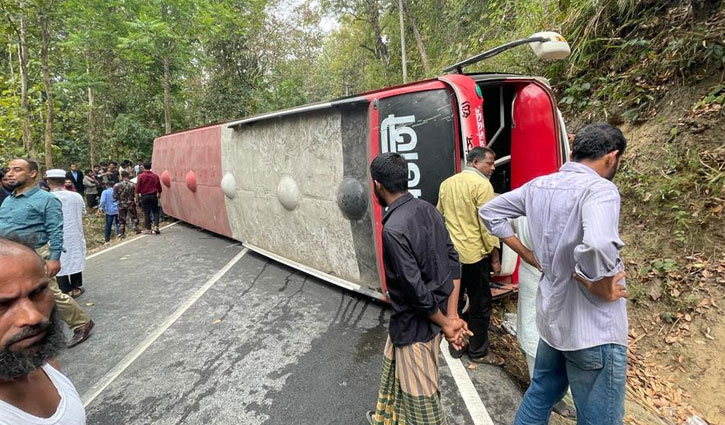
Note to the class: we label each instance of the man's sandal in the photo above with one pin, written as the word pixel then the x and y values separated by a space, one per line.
pixel 490 358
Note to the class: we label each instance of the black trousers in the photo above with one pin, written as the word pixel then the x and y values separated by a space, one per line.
pixel 150 204
pixel 91 200
pixel 70 282
pixel 475 281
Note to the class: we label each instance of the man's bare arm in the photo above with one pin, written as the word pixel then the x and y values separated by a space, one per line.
pixel 526 254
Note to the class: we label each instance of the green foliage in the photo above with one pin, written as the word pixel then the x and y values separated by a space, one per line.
pixel 576 95
pixel 631 51
pixel 228 59
pixel 117 49
pixel 716 95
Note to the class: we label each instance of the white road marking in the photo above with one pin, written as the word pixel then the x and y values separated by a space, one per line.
pixel 118 369
pixel 468 392
pixel 103 251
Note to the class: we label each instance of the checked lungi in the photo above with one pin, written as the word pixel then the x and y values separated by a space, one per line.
pixel 408 392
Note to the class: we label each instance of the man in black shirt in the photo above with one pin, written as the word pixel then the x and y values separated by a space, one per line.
pixel 5 189
pixel 422 275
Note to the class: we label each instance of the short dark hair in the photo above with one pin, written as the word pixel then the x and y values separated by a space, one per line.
pixel 103 163
pixel 147 165
pixel 390 170
pixel 594 141
pixel 124 174
pixel 88 171
pixel 11 243
pixel 97 165
pixel 32 164
pixel 479 153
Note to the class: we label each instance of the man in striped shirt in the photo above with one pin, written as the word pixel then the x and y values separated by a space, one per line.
pixel 581 315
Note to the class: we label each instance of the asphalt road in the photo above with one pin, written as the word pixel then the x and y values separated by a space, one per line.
pixel 193 329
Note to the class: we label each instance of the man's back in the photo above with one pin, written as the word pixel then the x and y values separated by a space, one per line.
pixel 73 210
pixel 459 198
pixel 107 204
pixel 124 192
pixel 147 182
pixel 573 218
pixel 420 263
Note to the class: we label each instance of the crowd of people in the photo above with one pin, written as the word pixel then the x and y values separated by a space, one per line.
pixel 438 261
pixel 42 258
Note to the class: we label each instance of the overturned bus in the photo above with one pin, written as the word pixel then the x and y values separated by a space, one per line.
pixel 294 185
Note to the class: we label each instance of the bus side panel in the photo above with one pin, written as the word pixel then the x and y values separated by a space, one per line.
pixel 534 143
pixel 288 171
pixel 189 164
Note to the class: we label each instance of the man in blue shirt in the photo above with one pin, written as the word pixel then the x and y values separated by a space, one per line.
pixel 109 206
pixel 35 215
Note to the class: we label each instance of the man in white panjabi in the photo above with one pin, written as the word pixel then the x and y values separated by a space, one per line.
pixel 527 335
pixel 73 258
pixel 32 389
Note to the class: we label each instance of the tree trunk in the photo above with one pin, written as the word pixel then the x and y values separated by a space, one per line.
pixel 167 95
pixel 402 42
pixel 45 38
pixel 167 76
pixel 24 105
pixel 91 115
pixel 381 49
pixel 418 38
pixel 10 63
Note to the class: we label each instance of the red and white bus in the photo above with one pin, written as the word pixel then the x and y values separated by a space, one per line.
pixel 294 185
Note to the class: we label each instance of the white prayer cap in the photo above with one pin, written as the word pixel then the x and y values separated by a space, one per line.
pixel 55 173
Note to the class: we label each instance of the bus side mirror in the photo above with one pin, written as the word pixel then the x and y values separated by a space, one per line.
pixel 555 49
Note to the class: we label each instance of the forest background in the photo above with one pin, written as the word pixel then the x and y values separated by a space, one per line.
pixel 98 80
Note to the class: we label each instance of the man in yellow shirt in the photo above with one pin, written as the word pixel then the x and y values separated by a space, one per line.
pixel 459 199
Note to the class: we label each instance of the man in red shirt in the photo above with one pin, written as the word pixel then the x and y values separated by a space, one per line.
pixel 148 190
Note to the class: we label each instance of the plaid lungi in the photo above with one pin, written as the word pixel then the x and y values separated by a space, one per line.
pixel 408 392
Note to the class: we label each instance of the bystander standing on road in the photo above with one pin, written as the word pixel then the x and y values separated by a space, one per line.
pixel 76 177
pixel 573 218
pixel 113 174
pixel 422 272
pixel 32 389
pixel 68 184
pixel 90 185
pixel 126 166
pixel 459 199
pixel 148 191
pixel 36 215
pixel 109 207
pixel 73 257
pixel 124 192
pixel 5 190
pixel 43 184
pixel 137 168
